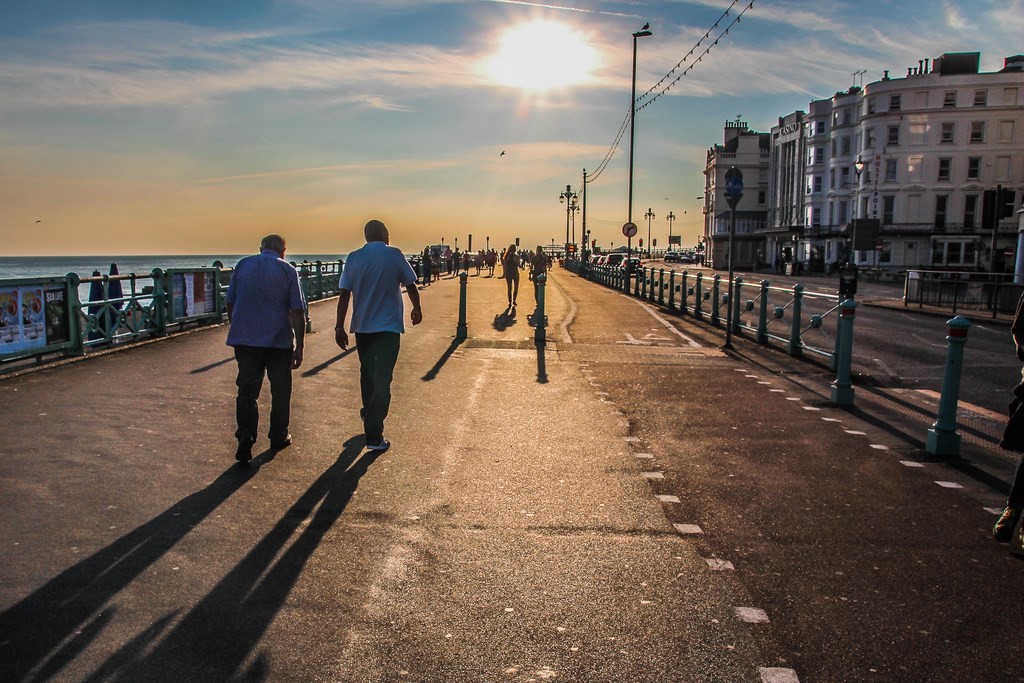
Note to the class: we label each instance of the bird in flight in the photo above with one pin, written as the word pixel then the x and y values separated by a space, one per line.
pixel 38 221
pixel 502 153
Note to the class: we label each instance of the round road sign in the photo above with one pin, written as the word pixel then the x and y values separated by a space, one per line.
pixel 629 229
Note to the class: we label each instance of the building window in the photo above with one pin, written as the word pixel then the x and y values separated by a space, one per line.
pixel 977 131
pixel 1009 97
pixel 970 211
pixel 893 137
pixel 949 100
pixel 948 132
pixel 888 209
pixel 816 217
pixel 944 165
pixel 980 98
pixel 846 116
pixel 819 127
pixel 835 146
pixel 835 118
pixel 846 144
pixel 871 105
pixel 894 102
pixel 890 170
pixel 844 176
pixel 843 212
pixel 941 204
pixel 869 138
pixel 974 168
pixel 817 183
pixel 1006 131
pixel 761 197
pixel 832 179
pixel 885 253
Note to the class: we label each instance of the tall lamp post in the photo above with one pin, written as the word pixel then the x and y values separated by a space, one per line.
pixel 858 168
pixel 733 195
pixel 671 217
pixel 574 208
pixel 569 195
pixel 642 33
pixel 649 215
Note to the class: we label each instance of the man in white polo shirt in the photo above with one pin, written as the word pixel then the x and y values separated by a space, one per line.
pixel 372 280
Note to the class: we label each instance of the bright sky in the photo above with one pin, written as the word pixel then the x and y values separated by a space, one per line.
pixel 198 126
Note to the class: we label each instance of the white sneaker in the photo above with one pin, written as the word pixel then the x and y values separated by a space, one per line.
pixel 381 445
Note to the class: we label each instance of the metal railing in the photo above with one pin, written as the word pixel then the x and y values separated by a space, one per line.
pixel 993 293
pixel 803 322
pixel 40 316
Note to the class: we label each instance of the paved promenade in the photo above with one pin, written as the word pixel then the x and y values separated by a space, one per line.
pixel 627 503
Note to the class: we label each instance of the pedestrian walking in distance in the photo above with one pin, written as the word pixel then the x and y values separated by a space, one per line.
pixel 538 267
pixel 266 312
pixel 372 282
pixel 510 269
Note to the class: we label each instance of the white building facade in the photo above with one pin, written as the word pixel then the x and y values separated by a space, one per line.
pixel 924 171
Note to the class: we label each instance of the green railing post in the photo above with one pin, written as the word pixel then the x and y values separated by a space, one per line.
pixel 661 287
pixel 762 318
pixel 461 329
pixel 160 301
pixel 842 387
pixel 76 333
pixel 671 290
pixel 943 438
pixel 636 285
pixel 795 345
pixel 539 318
pixel 319 280
pixel 698 298
pixel 735 304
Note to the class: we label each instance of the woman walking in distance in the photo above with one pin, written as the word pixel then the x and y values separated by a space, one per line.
pixel 538 267
pixel 510 266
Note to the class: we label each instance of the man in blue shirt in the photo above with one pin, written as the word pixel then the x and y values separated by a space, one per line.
pixel 372 280
pixel 268 325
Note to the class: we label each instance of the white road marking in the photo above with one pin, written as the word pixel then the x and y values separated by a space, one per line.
pixel 652 475
pixel 668 499
pixel 645 456
pixel 631 439
pixel 879 446
pixel 994 511
pixel 688 529
pixel 831 419
pixel 811 408
pixel 775 674
pixel 777 391
pixel 949 484
pixel 911 463
pixel 792 398
pixel 719 565
pixel 855 432
pixel 666 323
pixel 752 615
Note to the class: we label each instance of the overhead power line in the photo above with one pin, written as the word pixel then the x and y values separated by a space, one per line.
pixel 652 99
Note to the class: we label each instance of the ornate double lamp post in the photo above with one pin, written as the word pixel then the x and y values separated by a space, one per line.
pixel 567 196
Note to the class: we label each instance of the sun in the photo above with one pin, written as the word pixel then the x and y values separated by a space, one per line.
pixel 541 55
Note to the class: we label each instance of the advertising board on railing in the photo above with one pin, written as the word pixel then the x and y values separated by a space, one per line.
pixel 34 316
pixel 193 294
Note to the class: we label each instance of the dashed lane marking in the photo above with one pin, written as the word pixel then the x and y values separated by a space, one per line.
pixel 879 446
pixel 831 419
pixel 668 325
pixel 688 529
pixel 949 484
pixel 855 432
pixel 775 674
pixel 752 615
pixel 777 391
pixel 812 408
pixel 718 565
pixel 911 463
pixel 994 511
pixel 652 475
pixel 631 439
pixel 645 456
pixel 792 398
pixel 668 499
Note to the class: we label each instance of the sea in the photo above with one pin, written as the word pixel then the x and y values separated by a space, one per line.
pixel 14 267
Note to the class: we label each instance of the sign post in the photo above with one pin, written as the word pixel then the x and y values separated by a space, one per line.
pixel 733 194
pixel 629 231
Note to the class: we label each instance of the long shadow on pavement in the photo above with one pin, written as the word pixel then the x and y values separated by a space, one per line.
pixel 432 373
pixel 216 637
pixel 33 630
pixel 505 319
pixel 316 369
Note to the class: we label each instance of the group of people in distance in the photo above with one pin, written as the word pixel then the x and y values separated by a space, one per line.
pixel 513 260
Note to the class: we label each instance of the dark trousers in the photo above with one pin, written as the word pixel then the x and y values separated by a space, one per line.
pixel 253 363
pixel 378 353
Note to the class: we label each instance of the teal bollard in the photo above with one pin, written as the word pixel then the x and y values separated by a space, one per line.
pixel 842 387
pixel 540 319
pixel 762 318
pixel 661 287
pixel 461 329
pixel 943 438
pixel 671 290
pixel 735 303
pixel 795 345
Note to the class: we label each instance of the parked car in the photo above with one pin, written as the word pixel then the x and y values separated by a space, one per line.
pixel 673 257
pixel 633 263
pixel 614 259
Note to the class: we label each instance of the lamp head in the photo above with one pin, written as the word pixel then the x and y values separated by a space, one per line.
pixel 641 34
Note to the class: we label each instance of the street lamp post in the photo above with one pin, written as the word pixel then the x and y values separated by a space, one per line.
pixel 671 217
pixel 642 33
pixel 649 215
pixel 568 197
pixel 858 168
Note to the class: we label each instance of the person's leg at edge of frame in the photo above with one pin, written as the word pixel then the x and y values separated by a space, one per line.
pixel 378 356
pixel 249 381
pixel 1003 529
pixel 279 372
pixel 364 351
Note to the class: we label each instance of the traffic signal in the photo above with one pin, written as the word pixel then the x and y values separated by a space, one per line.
pixel 641 241
pixel 593 244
